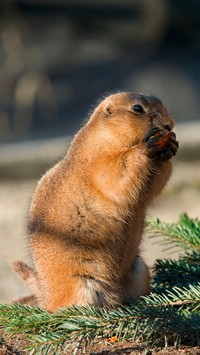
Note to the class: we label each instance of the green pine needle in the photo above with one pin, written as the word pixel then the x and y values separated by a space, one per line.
pixel 168 273
pixel 185 233
pixel 170 314
pixel 175 313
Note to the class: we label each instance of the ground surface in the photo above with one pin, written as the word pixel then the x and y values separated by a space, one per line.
pixel 16 346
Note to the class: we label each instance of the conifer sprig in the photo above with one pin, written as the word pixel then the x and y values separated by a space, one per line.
pixel 168 273
pixel 185 233
pixel 171 313
pixel 174 314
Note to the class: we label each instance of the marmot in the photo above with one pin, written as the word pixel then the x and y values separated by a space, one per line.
pixel 87 214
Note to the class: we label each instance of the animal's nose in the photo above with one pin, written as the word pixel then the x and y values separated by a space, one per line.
pixel 168 123
pixel 167 127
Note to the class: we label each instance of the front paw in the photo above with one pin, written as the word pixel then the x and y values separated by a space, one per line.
pixel 162 147
pixel 168 146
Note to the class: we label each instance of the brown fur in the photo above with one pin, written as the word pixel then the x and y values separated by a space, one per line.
pixel 87 214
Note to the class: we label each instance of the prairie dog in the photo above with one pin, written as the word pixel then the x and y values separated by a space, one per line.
pixel 87 214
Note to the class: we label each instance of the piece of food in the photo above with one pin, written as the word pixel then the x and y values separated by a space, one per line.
pixel 164 140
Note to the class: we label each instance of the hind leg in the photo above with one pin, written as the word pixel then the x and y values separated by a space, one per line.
pixel 55 290
pixel 69 277
pixel 137 281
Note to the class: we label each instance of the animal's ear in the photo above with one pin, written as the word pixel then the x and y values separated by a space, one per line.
pixel 108 110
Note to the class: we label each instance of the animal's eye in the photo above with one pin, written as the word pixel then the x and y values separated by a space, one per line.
pixel 138 108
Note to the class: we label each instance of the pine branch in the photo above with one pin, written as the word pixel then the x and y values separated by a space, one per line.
pixel 192 258
pixel 185 233
pixel 169 314
pixel 175 313
pixel 178 297
pixel 168 273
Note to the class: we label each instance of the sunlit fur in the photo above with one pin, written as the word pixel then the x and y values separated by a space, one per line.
pixel 87 214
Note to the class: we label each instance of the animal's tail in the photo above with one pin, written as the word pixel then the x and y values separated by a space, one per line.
pixel 29 276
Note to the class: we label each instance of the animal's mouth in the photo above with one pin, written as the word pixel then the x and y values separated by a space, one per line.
pixel 154 132
pixel 158 137
pixel 161 143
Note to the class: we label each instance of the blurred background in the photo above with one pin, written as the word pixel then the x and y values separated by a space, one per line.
pixel 57 57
